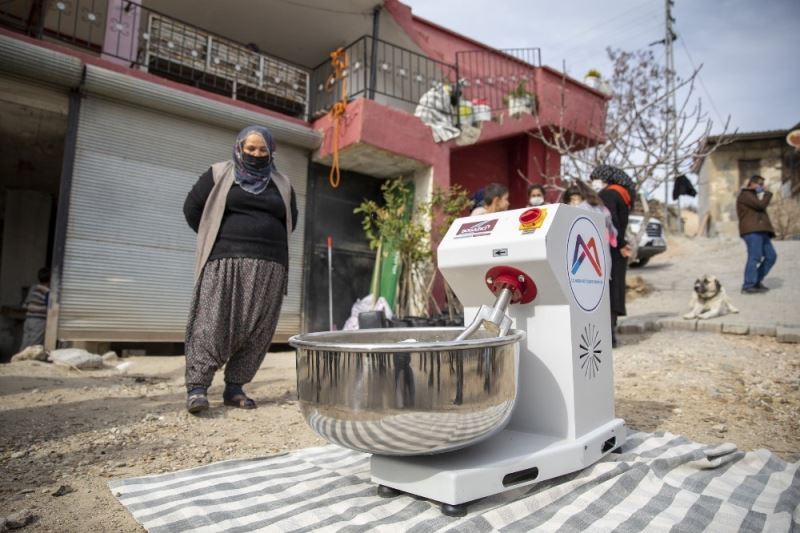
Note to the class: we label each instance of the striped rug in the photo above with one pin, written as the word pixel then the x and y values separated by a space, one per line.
pixel 660 482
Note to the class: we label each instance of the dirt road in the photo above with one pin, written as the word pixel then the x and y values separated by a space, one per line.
pixel 80 430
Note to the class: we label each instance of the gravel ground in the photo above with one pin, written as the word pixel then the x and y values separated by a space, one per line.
pixel 79 430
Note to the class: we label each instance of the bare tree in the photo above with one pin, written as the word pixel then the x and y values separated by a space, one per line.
pixel 643 135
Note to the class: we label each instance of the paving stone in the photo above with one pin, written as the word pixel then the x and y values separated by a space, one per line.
pixel 735 329
pixel 631 326
pixel 678 324
pixel 652 325
pixel 711 326
pixel 763 329
pixel 787 334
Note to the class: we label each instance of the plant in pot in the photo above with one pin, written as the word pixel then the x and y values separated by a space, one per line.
pixel 593 78
pixel 398 225
pixel 520 100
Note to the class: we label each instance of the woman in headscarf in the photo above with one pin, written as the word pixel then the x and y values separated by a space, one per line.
pixel 243 211
pixel 616 190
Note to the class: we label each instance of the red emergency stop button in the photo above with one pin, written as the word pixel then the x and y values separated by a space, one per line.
pixel 532 218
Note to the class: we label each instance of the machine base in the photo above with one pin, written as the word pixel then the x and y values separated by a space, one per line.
pixel 509 460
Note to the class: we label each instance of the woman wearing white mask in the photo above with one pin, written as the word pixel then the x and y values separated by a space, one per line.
pixel 535 195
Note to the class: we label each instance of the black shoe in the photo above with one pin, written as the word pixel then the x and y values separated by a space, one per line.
pixel 760 286
pixel 753 290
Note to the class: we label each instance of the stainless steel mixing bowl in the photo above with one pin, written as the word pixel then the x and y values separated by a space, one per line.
pixel 406 391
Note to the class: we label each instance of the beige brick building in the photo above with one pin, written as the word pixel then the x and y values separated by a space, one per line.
pixel 724 172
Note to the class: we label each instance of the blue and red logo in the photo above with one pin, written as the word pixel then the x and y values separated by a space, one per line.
pixel 585 260
pixel 586 251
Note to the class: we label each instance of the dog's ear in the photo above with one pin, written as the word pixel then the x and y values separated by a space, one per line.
pixel 718 285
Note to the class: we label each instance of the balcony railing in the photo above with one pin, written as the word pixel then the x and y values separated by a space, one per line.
pixel 126 32
pixel 503 80
pixel 382 71
pixel 489 81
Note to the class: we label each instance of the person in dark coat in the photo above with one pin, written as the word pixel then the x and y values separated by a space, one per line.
pixel 616 190
pixel 756 230
pixel 243 211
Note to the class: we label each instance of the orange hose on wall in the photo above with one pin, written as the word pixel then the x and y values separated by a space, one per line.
pixel 340 63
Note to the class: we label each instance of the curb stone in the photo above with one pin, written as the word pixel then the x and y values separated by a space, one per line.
pixel 787 334
pixel 735 329
pixel 782 333
pixel 710 326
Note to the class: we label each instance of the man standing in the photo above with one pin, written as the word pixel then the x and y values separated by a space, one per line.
pixel 756 230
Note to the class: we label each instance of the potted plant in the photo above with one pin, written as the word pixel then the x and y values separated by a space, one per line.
pixel 398 225
pixel 520 100
pixel 592 79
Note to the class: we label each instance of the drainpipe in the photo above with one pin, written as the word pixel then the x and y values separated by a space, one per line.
pixel 62 216
pixel 373 66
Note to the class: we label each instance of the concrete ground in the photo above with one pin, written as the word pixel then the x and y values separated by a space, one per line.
pixel 672 275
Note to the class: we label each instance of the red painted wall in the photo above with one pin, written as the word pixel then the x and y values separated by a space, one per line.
pixel 474 167
pixel 584 107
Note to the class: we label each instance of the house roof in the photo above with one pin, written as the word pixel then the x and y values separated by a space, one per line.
pixel 765 135
pixel 756 135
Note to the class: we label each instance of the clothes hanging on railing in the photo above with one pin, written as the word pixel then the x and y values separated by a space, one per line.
pixel 683 187
pixel 436 110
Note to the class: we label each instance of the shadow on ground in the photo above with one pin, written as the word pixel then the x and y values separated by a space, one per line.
pixel 644 415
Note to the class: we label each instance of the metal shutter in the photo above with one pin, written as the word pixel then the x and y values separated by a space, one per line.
pixel 129 255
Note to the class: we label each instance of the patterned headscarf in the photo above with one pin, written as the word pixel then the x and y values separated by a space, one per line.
pixel 615 176
pixel 249 178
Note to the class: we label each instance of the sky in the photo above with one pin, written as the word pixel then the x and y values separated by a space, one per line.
pixel 749 49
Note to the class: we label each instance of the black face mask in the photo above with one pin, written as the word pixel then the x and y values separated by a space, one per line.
pixel 254 162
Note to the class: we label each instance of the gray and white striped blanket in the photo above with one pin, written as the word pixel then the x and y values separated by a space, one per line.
pixel 661 482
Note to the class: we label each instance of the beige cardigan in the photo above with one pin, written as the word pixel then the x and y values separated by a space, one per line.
pixel 211 219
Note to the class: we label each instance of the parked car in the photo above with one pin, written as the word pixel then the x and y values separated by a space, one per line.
pixel 652 241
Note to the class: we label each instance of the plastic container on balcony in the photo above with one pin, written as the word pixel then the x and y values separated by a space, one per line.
pixel 482 112
pixel 517 105
pixel 466 112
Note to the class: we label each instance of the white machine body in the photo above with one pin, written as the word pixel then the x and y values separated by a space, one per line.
pixel 563 418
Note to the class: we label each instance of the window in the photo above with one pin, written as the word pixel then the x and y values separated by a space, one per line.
pixel 748 168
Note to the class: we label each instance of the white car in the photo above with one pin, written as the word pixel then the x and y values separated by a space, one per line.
pixel 652 241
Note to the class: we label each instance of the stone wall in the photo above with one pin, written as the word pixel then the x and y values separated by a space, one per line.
pixel 719 180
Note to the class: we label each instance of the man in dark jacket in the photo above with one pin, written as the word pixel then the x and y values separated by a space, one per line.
pixel 756 230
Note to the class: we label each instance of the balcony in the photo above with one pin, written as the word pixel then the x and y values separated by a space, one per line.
pixel 401 78
pixel 381 71
pixel 139 37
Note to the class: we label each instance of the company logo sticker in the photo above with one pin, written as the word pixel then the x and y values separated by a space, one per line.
pixel 476 229
pixel 584 251
pixel 585 263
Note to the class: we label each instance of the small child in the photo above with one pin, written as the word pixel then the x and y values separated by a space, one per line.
pixel 36 311
pixel 573 196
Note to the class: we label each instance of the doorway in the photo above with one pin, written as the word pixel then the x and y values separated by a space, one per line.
pixel 330 213
pixel 33 125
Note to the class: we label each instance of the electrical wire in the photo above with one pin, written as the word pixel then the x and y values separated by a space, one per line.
pixel 604 24
pixel 625 27
pixel 700 79
pixel 638 25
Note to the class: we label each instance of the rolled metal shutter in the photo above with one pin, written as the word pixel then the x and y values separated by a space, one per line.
pixel 129 254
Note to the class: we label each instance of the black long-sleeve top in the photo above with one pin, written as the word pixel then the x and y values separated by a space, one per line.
pixel 619 213
pixel 253 225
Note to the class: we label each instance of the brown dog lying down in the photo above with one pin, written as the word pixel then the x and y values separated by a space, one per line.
pixel 709 299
